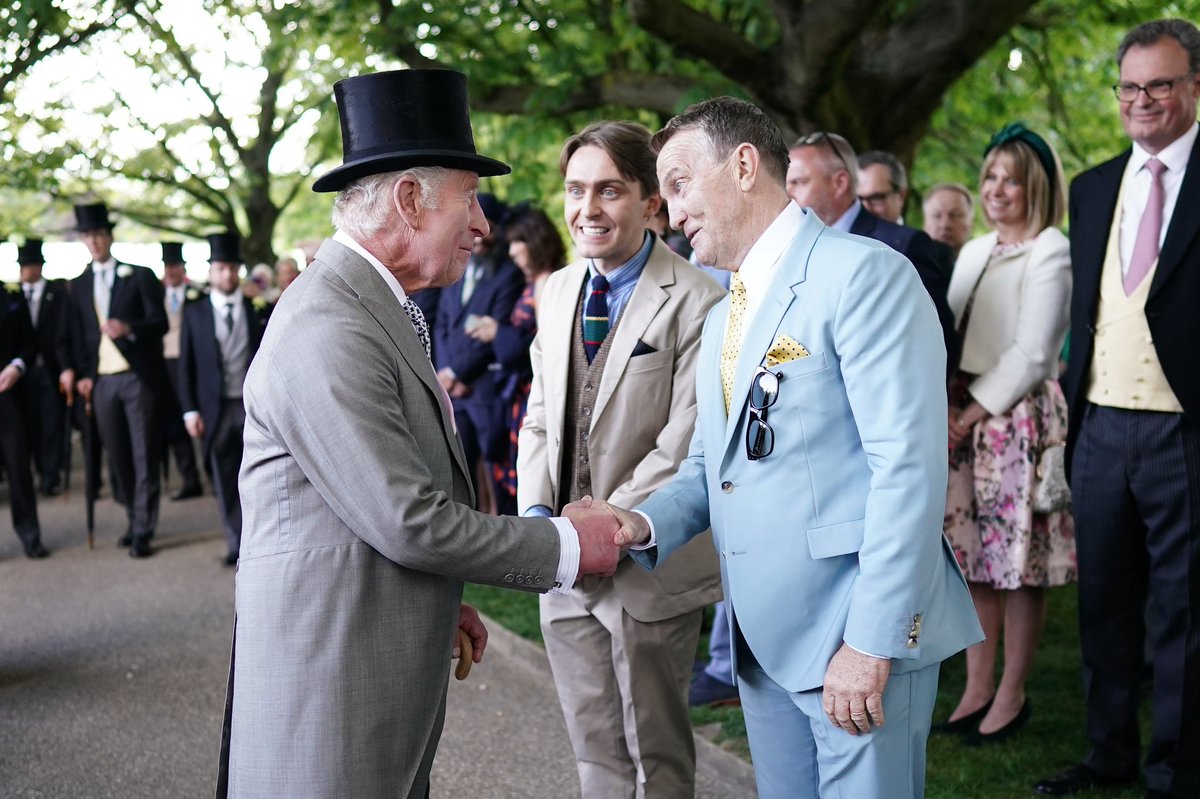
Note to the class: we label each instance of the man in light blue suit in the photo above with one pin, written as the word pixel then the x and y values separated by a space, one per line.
pixel 819 460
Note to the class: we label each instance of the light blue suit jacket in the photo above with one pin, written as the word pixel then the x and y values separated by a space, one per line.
pixel 837 535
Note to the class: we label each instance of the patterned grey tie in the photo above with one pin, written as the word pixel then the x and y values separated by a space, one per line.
pixel 418 322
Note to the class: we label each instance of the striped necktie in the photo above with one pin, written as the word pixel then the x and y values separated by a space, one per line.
pixel 595 317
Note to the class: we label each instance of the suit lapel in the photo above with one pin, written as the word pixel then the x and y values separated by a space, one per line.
pixel 1185 221
pixel 377 298
pixel 785 288
pixel 1097 206
pixel 556 325
pixel 117 291
pixel 644 304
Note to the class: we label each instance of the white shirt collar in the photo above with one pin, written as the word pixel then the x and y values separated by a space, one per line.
pixel 846 220
pixel 220 299
pixel 38 286
pixel 758 267
pixel 1174 156
pixel 109 265
pixel 343 238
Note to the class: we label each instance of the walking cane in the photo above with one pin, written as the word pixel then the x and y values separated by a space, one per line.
pixel 67 446
pixel 91 479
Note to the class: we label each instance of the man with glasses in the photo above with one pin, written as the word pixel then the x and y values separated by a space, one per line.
pixel 819 460
pixel 882 185
pixel 1133 390
pixel 823 176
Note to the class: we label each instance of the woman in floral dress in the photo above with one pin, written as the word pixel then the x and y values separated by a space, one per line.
pixel 1010 294
pixel 536 247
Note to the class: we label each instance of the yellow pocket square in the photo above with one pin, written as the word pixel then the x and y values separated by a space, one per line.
pixel 785 349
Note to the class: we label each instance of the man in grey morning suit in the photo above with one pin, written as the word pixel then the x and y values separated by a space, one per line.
pixel 358 526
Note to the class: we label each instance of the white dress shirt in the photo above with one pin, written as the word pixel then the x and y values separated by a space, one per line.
pixel 1136 189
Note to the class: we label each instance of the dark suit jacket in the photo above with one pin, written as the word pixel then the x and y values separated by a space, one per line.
pixel 930 262
pixel 16 330
pixel 50 319
pixel 1173 305
pixel 137 300
pixel 201 370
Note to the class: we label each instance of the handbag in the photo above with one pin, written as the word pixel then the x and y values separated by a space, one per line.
pixel 1051 492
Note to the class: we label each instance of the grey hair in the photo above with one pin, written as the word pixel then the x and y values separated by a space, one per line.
pixel 362 207
pixel 957 188
pixel 896 174
pixel 726 123
pixel 1148 33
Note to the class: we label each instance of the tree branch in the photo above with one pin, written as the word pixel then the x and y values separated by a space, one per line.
pixel 627 89
pixel 703 37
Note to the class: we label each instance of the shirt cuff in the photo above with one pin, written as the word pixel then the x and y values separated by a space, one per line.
pixel 19 363
pixel 653 542
pixel 190 415
pixel 568 558
pixel 538 510
pixel 868 654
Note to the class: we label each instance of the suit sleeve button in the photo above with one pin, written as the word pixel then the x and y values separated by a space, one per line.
pixel 727 487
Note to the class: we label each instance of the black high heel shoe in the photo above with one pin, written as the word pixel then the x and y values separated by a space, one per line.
pixel 965 725
pixel 1010 729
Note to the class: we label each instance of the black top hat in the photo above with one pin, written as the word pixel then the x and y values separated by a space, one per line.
pixel 224 247
pixel 172 252
pixel 92 217
pixel 30 253
pixel 402 119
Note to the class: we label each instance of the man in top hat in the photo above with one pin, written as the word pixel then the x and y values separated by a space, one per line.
pixel 221 334
pixel 175 292
pixel 113 357
pixel 359 526
pixel 18 349
pixel 46 300
pixel 489 287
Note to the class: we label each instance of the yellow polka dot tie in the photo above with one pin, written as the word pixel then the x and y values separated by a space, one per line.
pixel 733 336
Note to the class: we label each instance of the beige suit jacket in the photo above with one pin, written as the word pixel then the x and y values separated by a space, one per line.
pixel 642 421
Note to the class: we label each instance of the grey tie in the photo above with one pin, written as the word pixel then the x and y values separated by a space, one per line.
pixel 418 322
pixel 228 318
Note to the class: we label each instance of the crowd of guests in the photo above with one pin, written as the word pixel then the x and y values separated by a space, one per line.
pixel 545 363
pixel 143 368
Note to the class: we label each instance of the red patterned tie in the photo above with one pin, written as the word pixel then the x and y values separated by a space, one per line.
pixel 1145 246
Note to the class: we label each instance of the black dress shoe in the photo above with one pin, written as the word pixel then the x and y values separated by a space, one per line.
pixel 1081 778
pixel 231 559
pixel 125 540
pixel 187 492
pixel 965 725
pixel 36 552
pixel 140 549
pixel 51 490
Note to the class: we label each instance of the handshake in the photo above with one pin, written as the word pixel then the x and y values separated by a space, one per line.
pixel 604 531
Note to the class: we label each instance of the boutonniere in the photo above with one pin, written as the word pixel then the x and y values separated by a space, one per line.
pixel 49 296
pixel 124 271
pixel 192 294
pixel 259 304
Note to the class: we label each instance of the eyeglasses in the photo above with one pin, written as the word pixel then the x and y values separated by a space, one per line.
pixel 815 139
pixel 1156 89
pixel 877 197
pixel 764 391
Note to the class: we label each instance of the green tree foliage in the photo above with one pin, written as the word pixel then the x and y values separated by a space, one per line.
pixel 189 122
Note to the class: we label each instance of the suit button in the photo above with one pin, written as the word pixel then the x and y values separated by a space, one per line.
pixel 587 386
pixel 587 411
pixel 583 459
pixel 911 643
pixel 727 487
pixel 508 578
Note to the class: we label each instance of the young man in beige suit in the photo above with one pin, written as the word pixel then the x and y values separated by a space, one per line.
pixel 610 415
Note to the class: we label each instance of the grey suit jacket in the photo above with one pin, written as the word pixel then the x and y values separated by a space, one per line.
pixel 358 534
pixel 643 419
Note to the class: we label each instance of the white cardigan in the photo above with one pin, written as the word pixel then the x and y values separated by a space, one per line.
pixel 1019 319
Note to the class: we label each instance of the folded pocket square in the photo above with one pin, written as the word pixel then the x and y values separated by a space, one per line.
pixel 785 349
pixel 642 348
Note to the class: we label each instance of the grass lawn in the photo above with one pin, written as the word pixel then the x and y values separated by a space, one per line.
pixel 1052 741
